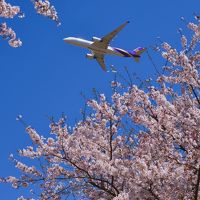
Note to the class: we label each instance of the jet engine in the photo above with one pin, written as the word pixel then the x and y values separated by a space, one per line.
pixel 96 39
pixel 89 56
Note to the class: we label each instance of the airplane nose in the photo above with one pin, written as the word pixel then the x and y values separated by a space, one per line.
pixel 69 40
pixel 66 39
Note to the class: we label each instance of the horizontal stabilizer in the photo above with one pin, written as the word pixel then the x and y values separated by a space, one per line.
pixel 137 52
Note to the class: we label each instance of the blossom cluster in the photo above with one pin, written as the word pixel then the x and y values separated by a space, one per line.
pixel 185 64
pixel 8 33
pixel 46 9
pixel 7 10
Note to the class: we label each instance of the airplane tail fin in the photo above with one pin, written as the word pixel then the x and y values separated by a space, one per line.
pixel 137 52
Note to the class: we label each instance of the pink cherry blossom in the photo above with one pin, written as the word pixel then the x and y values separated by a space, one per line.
pixel 44 7
pixel 8 33
pixel 7 10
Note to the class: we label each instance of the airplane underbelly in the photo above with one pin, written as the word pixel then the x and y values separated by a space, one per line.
pixel 109 50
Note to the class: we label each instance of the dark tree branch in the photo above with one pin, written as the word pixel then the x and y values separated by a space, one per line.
pixel 197 186
pixel 195 94
pixel 102 188
pixel 110 142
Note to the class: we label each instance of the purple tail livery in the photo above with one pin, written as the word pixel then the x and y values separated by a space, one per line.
pixel 134 53
pixel 137 52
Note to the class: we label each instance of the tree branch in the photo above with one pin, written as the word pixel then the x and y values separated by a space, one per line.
pixel 195 94
pixel 197 186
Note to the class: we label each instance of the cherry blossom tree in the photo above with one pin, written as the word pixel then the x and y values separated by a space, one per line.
pixel 144 143
pixel 8 11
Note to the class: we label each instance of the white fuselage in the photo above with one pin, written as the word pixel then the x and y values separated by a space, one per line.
pixel 88 44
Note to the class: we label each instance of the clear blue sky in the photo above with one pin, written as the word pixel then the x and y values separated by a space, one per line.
pixel 46 76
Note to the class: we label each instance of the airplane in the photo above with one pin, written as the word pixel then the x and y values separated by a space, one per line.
pixel 100 46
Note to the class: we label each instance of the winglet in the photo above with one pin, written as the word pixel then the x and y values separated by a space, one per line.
pixel 122 26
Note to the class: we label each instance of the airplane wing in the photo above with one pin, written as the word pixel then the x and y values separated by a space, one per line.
pixel 104 42
pixel 100 59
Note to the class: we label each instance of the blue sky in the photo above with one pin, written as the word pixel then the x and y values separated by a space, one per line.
pixel 45 76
